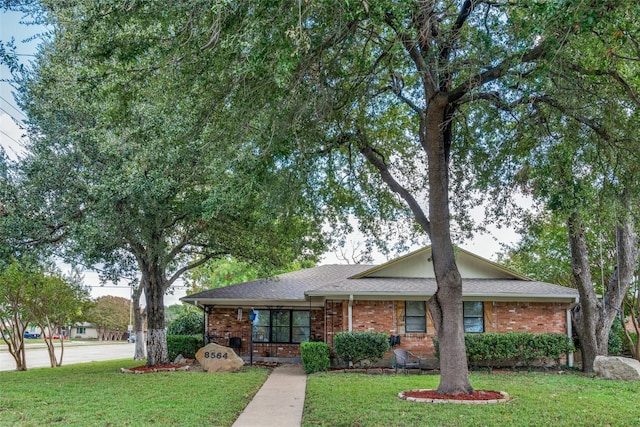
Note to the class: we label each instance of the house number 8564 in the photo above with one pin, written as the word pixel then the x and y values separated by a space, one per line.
pixel 212 355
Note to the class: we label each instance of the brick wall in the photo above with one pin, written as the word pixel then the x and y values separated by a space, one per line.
pixel 535 317
pixel 388 316
pixel 223 323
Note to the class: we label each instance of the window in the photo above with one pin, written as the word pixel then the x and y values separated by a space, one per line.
pixel 282 326
pixel 415 316
pixel 81 330
pixel 473 316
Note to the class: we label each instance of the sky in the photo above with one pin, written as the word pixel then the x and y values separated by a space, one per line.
pixel 11 138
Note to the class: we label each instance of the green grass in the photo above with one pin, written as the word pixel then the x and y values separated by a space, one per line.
pixel 537 399
pixel 97 394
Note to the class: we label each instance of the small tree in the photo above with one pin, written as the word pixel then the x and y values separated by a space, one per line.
pixel 14 316
pixel 57 301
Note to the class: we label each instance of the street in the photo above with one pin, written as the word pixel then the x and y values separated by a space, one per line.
pixel 74 352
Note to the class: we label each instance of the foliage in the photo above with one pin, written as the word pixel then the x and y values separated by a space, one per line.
pixel 315 356
pixel 58 301
pixel 14 316
pixel 186 345
pixel 514 348
pixel 110 315
pixel 134 164
pixel 575 151
pixel 173 311
pixel 190 322
pixel 616 337
pixel 226 271
pixel 31 294
pixel 565 400
pixel 357 346
pixel 542 253
pixel 111 398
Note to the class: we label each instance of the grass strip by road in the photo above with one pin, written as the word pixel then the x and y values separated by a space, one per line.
pixel 538 399
pixel 97 394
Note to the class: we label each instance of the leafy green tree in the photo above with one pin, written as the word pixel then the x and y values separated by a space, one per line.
pixel 134 168
pixel 188 323
pixel 582 164
pixel 15 282
pixel 110 316
pixel 390 98
pixel 56 302
pixel 31 294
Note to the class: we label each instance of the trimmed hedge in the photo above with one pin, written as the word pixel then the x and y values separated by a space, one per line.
pixel 187 345
pixel 315 356
pixel 494 350
pixel 356 346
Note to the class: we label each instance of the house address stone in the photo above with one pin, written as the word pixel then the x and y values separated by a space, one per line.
pixel 216 358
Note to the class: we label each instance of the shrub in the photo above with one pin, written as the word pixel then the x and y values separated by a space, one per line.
pixel 615 346
pixel 513 348
pixel 315 356
pixel 187 345
pixel 187 323
pixel 356 346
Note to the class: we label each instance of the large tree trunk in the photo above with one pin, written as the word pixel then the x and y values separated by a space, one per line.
pixel 593 318
pixel 154 289
pixel 585 314
pixel 446 304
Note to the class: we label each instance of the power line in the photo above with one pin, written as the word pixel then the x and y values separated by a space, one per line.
pixel 11 105
pixel 13 118
pixel 10 137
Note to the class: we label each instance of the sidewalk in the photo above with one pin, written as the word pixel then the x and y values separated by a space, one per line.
pixel 279 402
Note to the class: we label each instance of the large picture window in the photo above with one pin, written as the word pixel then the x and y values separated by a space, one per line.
pixel 415 316
pixel 473 316
pixel 282 326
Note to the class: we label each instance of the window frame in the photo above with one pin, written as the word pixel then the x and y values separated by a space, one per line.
pixel 278 330
pixel 466 317
pixel 422 316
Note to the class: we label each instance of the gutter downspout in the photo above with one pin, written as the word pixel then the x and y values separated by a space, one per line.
pixel 350 313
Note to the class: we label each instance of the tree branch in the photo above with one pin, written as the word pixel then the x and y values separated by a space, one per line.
pixel 378 162
pixel 187 267
pixel 498 71
pixel 412 48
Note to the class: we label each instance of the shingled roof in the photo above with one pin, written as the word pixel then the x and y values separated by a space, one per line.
pixel 484 280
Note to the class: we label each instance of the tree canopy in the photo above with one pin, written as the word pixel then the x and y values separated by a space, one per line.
pixel 176 133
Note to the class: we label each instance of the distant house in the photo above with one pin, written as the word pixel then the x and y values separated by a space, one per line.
pixel 316 303
pixel 84 330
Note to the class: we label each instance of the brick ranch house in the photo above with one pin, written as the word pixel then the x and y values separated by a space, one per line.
pixel 316 303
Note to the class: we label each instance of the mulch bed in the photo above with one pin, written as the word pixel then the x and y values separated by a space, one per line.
pixel 432 396
pixel 159 368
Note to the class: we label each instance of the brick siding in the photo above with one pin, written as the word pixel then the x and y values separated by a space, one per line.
pixel 388 316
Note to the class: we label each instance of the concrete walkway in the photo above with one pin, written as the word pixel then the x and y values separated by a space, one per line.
pixel 279 402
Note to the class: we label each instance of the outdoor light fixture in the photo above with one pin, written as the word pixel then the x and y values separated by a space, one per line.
pixel 252 317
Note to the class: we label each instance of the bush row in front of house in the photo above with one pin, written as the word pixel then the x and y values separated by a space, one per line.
pixel 356 346
pixel 186 345
pixel 513 349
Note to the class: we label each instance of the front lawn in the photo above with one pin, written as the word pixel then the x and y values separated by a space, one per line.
pixel 97 394
pixel 537 399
